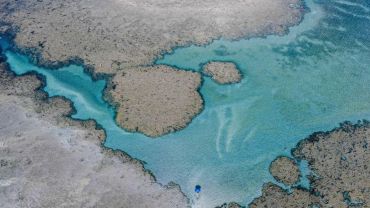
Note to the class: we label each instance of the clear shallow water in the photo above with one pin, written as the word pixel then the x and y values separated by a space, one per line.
pixel 309 80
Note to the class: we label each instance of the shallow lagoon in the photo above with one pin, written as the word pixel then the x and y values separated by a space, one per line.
pixel 309 80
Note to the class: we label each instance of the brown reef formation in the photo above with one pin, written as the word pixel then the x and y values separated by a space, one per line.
pixel 50 160
pixel 222 72
pixel 156 100
pixel 285 170
pixel 339 161
pixel 230 205
pixel 114 35
pixel 275 197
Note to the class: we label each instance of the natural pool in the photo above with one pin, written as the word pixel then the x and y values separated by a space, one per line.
pixel 309 80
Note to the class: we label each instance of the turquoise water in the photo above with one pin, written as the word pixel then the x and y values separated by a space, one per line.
pixel 309 80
